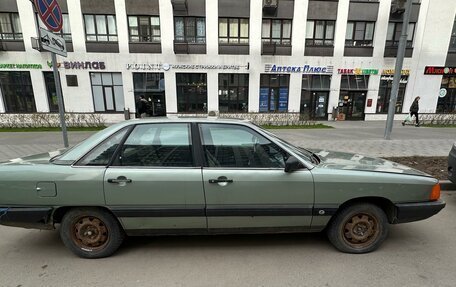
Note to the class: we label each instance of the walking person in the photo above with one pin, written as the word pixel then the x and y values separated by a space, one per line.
pixel 142 107
pixel 414 108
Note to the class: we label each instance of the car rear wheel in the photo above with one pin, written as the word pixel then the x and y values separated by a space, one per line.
pixel 91 233
pixel 359 228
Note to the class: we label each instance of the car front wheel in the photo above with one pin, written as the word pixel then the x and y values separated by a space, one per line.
pixel 91 233
pixel 359 228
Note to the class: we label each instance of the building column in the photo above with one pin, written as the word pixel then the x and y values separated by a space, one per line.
pixel 254 91
pixel 298 37
pixel 256 20
pixel 28 24
pixel 170 92
pixel 372 93
pixel 212 33
pixel 294 94
pixel 129 91
pixel 334 94
pixel 122 26
pixel 39 91
pixel 77 26
pixel 381 28
pixel 212 91
pixel 167 32
pixel 341 28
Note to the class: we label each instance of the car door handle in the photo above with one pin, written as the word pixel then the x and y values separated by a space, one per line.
pixel 120 179
pixel 220 180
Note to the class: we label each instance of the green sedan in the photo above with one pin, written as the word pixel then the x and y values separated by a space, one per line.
pixel 208 176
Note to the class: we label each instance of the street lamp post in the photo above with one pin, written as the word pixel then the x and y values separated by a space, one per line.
pixel 398 66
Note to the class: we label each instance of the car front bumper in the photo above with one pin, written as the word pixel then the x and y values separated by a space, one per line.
pixel 27 217
pixel 408 212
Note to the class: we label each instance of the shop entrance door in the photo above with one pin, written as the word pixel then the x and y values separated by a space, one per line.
pixel 353 104
pixel 314 105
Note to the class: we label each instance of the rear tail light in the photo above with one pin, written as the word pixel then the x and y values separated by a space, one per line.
pixel 435 194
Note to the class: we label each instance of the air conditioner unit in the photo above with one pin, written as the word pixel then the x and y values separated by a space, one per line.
pixel 179 5
pixel 270 3
pixel 270 7
pixel 398 7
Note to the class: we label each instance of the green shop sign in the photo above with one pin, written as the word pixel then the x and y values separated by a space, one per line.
pixel 21 66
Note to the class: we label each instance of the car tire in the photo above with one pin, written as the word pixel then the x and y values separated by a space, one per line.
pixel 359 228
pixel 91 232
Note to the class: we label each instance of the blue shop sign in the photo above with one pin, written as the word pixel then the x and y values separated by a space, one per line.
pixel 305 69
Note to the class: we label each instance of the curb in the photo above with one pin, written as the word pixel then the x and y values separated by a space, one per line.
pixel 447 185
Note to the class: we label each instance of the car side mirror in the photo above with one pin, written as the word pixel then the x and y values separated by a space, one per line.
pixel 293 164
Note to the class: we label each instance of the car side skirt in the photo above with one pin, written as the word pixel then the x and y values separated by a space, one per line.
pixel 27 217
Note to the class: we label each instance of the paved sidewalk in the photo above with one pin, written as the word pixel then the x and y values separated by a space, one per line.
pixel 360 137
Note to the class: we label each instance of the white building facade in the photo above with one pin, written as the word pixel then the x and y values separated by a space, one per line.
pixel 298 57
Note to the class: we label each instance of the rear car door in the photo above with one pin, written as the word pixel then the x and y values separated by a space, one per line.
pixel 153 184
pixel 245 183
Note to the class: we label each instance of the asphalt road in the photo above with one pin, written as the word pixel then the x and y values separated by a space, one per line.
pixel 415 254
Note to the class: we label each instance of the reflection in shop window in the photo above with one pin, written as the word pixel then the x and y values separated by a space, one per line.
pixel 452 48
pixel 191 92
pixel 447 103
pixel 107 90
pixel 233 93
pixel 16 89
pixel 384 94
pixel 274 92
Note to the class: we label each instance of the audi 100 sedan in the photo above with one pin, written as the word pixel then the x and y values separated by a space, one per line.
pixel 208 176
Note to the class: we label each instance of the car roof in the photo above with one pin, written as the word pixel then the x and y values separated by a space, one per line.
pixel 172 119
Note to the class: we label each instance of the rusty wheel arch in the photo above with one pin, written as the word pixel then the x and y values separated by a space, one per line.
pixel 385 204
pixel 59 212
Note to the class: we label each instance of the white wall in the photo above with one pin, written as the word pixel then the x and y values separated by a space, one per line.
pixel 431 44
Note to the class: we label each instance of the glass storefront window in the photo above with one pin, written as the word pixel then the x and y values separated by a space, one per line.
pixel 51 92
pixel 233 93
pixel 16 89
pixel 152 87
pixel 354 82
pixel 191 92
pixel 447 104
pixel 107 91
pixel 384 94
pixel 274 92
pixel 314 97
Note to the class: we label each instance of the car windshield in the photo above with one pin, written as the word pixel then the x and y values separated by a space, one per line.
pixel 302 152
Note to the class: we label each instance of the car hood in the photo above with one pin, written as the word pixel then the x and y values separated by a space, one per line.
pixel 352 161
pixel 42 158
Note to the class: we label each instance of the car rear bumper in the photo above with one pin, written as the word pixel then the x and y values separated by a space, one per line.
pixel 408 212
pixel 27 217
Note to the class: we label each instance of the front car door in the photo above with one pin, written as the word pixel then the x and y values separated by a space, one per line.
pixel 245 184
pixel 153 184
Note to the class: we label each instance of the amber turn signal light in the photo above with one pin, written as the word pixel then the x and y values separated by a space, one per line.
pixel 435 194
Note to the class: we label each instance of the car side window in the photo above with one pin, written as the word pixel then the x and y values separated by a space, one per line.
pixel 157 145
pixel 102 154
pixel 239 146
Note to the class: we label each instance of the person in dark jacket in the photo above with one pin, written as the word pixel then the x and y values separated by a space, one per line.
pixel 142 107
pixel 414 108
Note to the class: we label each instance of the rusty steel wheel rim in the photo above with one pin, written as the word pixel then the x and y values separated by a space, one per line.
pixel 90 233
pixel 361 230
